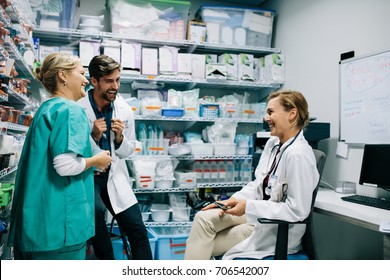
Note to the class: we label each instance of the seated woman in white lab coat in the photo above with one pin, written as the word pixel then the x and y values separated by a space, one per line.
pixel 285 179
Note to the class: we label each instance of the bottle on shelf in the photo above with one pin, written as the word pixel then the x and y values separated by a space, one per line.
pixel 206 171
pixel 213 171
pixel 237 169
pixel 246 171
pixel 197 168
pixel 221 171
pixel 229 167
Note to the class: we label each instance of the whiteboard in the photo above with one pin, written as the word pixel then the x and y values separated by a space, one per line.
pixel 365 99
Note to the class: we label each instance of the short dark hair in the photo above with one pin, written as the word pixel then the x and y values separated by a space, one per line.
pixel 102 65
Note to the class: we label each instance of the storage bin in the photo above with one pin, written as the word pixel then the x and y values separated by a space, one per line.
pixel 181 214
pixel 160 19
pixel 237 26
pixel 185 179
pixel 224 149
pixel 117 244
pixel 171 242
pixel 202 149
pixel 160 212
pixel 6 193
pixel 209 110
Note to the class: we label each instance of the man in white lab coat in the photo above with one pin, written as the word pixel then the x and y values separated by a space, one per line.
pixel 112 128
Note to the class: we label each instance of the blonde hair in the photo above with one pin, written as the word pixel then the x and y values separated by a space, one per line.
pixel 52 64
pixel 290 99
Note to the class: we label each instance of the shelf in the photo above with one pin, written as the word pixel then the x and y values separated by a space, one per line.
pixel 214 83
pixel 58 35
pixel 14 127
pixel 160 190
pixel 189 157
pixel 197 119
pixel 198 186
pixel 20 63
pixel 7 171
pixel 168 224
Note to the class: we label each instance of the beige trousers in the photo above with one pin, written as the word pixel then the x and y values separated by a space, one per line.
pixel 212 235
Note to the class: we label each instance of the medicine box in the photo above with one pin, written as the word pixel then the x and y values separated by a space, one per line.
pixel 274 68
pixel 237 26
pixel 117 244
pixel 159 19
pixel 171 242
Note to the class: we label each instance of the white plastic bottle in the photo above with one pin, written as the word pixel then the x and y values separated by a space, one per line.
pixel 229 166
pixel 198 169
pixel 221 171
pixel 237 169
pixel 213 172
pixel 246 171
pixel 206 171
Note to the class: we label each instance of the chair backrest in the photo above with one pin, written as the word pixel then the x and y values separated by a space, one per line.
pixel 308 239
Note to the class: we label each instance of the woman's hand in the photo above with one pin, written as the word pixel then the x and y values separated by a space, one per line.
pixel 237 207
pixel 102 160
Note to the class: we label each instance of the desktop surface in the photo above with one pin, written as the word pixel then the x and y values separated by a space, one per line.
pixel 329 202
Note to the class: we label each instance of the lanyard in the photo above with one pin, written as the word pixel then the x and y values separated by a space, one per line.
pixel 281 154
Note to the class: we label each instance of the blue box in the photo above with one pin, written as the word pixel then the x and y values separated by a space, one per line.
pixel 171 242
pixel 172 112
pixel 117 244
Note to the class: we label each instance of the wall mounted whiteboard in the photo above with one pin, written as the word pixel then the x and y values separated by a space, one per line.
pixel 365 99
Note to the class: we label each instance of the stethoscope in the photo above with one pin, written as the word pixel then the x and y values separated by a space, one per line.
pixel 269 187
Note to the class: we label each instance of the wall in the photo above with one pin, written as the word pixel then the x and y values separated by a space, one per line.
pixel 312 34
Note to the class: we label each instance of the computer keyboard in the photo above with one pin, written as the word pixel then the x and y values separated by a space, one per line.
pixel 369 201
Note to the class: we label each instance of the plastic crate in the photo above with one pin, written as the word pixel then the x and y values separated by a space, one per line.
pixel 6 193
pixel 237 26
pixel 171 242
pixel 160 19
pixel 117 244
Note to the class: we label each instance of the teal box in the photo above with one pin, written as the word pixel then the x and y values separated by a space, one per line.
pixel 119 250
pixel 171 242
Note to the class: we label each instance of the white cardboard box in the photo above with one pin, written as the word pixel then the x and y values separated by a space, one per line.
pixel 150 61
pixel 131 56
pixel 88 49
pixel 245 67
pixel 230 60
pixel 198 66
pixel 168 60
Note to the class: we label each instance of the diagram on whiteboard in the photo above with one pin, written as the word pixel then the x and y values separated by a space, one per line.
pixel 365 99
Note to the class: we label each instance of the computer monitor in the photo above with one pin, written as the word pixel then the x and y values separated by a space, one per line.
pixel 375 168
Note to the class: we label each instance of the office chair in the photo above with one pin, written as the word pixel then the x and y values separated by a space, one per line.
pixel 126 247
pixel 308 240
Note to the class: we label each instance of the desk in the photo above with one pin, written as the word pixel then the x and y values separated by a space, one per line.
pixel 329 202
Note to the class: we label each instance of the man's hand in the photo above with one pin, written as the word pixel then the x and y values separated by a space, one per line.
pixel 99 127
pixel 117 127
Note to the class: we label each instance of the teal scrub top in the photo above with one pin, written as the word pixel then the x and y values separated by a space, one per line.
pixel 50 211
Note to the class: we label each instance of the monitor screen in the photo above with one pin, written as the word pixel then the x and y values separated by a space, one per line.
pixel 376 166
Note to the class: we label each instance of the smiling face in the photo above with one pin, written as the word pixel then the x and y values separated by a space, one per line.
pixel 76 82
pixel 280 120
pixel 106 88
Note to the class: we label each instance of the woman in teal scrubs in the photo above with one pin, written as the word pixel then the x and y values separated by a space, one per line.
pixel 52 213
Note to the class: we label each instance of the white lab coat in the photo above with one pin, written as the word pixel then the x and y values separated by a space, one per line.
pixel 119 184
pixel 297 168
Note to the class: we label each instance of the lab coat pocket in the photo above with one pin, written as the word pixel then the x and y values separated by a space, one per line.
pixel 279 190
